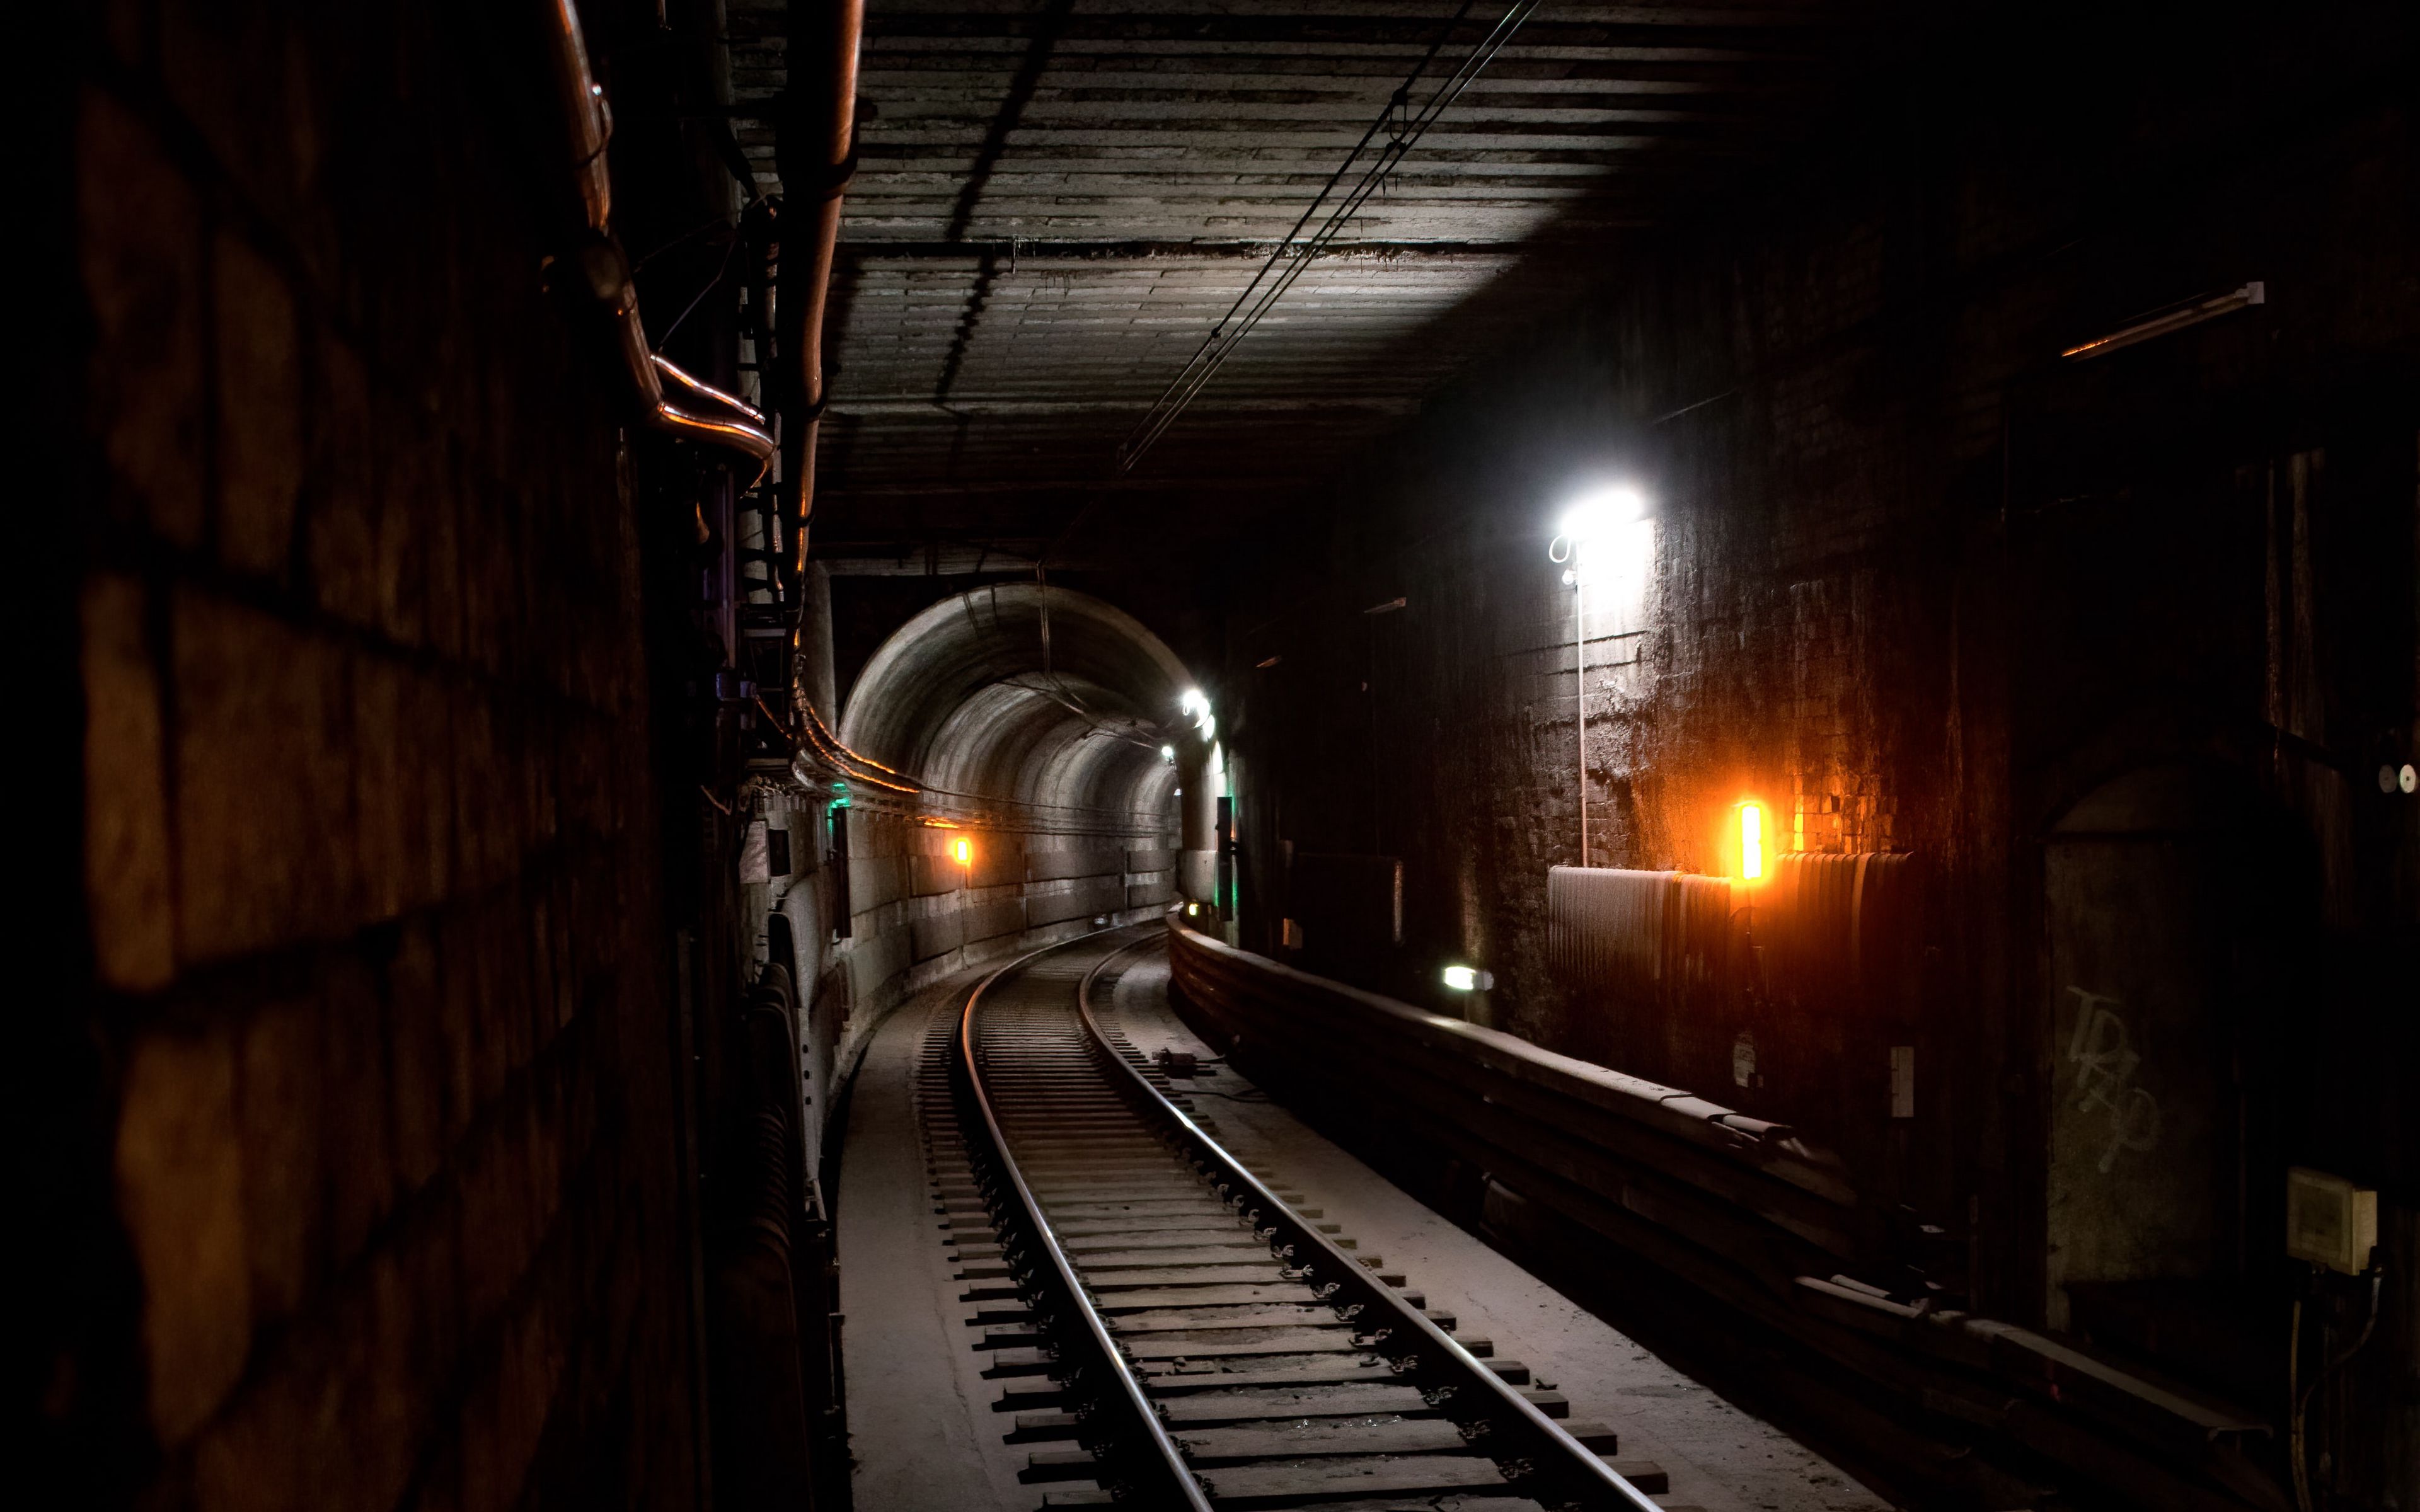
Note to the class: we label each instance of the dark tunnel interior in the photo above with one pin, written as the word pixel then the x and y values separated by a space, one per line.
pixel 1480 755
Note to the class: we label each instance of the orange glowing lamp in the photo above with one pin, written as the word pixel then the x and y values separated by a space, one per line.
pixel 1751 839
pixel 963 852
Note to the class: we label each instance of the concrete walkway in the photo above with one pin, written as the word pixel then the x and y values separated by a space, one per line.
pixel 921 1423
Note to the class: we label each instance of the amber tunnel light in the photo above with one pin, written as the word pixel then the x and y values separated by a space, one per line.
pixel 1751 841
pixel 963 852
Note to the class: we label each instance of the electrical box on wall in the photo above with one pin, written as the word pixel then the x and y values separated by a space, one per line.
pixel 2329 1221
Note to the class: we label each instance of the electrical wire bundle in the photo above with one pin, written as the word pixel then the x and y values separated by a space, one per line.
pixel 885 790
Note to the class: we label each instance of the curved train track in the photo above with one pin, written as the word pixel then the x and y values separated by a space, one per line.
pixel 1207 1345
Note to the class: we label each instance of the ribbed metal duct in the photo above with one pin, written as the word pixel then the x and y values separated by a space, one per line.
pixel 1604 926
pixel 1842 929
pixel 1636 934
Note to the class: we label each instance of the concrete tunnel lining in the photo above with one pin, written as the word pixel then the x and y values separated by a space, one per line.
pixel 960 698
pixel 1055 778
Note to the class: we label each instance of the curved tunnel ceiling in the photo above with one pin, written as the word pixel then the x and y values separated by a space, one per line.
pixel 959 698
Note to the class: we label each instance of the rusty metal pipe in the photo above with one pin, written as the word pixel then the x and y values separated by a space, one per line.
pixel 587 121
pixel 700 412
pixel 706 393
pixel 815 149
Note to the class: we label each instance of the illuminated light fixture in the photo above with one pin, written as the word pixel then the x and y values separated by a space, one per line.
pixel 1469 978
pixel 1596 515
pixel 2193 313
pixel 1168 755
pixel 963 852
pixel 1591 526
pixel 1197 703
pixel 1264 665
pixel 1193 908
pixel 1751 837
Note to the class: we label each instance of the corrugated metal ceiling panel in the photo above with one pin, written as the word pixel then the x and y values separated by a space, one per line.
pixel 1056 202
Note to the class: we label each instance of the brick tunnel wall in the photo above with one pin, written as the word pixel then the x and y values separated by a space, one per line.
pixel 1920 583
pixel 358 1102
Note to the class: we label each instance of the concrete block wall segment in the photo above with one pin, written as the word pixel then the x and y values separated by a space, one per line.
pixel 369 850
pixel 920 915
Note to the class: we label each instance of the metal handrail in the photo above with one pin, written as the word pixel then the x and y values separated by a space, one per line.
pixel 1593 1476
pixel 1129 1386
pixel 1524 1115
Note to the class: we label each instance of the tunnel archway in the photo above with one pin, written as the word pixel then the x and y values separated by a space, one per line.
pixel 983 695
pixel 1042 729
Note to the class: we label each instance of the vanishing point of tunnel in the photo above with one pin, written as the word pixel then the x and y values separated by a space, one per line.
pixel 1347 755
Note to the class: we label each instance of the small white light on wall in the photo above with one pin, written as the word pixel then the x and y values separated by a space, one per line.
pixel 1469 978
pixel 1607 537
pixel 1196 704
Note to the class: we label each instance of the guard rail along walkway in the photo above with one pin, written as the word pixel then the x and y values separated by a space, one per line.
pixel 1761 1224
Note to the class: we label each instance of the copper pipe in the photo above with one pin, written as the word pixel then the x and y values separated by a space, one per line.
pixel 588 122
pixel 707 392
pixel 702 413
pixel 816 150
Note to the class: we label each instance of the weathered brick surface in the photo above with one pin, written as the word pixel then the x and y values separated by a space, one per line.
pixel 144 288
pixel 368 831
pixel 260 408
pixel 127 840
pixel 181 1185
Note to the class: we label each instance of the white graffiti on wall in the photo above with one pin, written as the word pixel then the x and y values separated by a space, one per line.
pixel 2101 1049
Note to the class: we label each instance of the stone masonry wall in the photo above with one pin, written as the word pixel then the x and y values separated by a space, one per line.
pixel 1920 583
pixel 380 1137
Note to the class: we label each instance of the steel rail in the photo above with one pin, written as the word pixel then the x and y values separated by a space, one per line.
pixel 1128 1386
pixel 1565 1467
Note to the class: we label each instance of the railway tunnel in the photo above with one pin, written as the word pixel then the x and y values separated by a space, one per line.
pixel 826 754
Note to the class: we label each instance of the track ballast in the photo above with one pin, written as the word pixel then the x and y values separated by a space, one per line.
pixel 1173 1332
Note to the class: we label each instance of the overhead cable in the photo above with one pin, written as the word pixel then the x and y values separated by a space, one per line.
pixel 1402 128
pixel 918 800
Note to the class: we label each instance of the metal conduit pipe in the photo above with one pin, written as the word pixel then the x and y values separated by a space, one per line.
pixel 816 150
pixel 694 410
